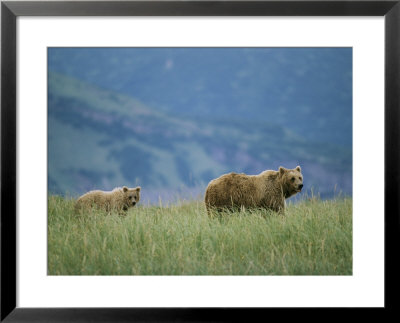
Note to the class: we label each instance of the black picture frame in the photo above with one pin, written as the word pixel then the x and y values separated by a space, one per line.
pixel 10 10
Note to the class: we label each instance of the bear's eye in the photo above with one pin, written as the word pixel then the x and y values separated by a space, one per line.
pixel 292 179
pixel 130 197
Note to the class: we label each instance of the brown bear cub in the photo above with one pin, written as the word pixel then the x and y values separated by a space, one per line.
pixel 119 199
pixel 268 190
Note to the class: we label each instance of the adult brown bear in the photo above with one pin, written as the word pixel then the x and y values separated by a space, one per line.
pixel 268 190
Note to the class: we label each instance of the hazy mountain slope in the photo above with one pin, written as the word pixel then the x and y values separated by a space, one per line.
pixel 307 90
pixel 102 139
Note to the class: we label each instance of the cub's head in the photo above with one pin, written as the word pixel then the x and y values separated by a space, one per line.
pixel 292 180
pixel 131 195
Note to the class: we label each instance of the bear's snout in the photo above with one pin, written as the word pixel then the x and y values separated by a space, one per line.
pixel 300 186
pixel 133 203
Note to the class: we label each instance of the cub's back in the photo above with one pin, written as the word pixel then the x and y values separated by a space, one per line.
pixel 93 195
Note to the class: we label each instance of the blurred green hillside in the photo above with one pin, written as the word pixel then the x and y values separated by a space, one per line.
pixel 307 90
pixel 100 139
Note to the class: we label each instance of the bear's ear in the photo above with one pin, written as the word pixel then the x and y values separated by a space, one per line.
pixel 298 169
pixel 281 170
pixel 125 189
pixel 138 188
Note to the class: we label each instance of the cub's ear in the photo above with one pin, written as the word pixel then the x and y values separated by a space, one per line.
pixel 125 189
pixel 298 169
pixel 281 170
pixel 138 188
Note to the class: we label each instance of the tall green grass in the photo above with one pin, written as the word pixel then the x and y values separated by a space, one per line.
pixel 314 237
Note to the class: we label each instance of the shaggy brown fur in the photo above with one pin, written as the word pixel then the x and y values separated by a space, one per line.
pixel 119 199
pixel 268 189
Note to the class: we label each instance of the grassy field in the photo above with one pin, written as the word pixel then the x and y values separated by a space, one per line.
pixel 314 237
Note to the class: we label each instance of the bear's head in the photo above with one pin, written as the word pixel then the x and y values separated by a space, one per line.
pixel 291 180
pixel 131 196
